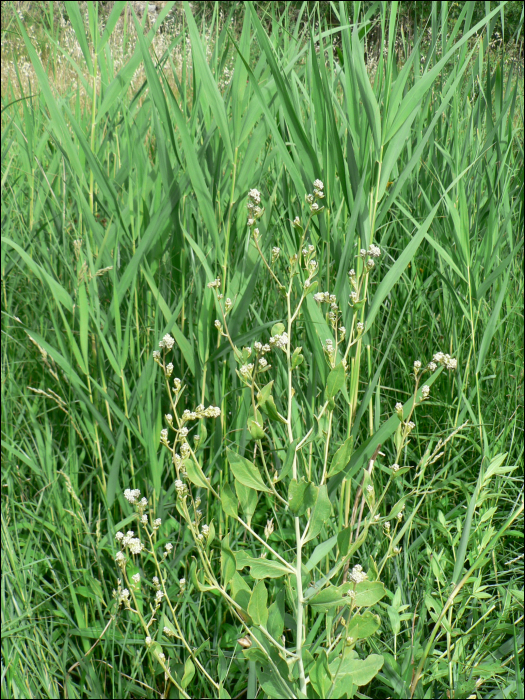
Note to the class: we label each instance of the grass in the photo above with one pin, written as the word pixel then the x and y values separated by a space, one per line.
pixel 127 160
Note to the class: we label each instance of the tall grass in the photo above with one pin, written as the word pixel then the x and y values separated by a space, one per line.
pixel 121 202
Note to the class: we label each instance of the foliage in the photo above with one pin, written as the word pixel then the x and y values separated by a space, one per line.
pixel 123 199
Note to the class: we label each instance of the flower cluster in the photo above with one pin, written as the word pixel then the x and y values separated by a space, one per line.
pixel 254 208
pixel 280 341
pixel 167 342
pixel 129 540
pixel 358 575
pixel 311 199
pixel 325 297
pixel 445 360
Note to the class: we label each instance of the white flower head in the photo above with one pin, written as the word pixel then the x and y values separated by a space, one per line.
pixel 318 185
pixel 167 342
pixel 132 495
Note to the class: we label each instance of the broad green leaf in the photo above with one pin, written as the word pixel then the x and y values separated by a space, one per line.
pixel 246 472
pixel 276 616
pixel 195 473
pixel 335 381
pixel 302 495
pixel 359 671
pixel 189 672
pixel 228 564
pixel 247 498
pixel 342 456
pixel 229 501
pixel 320 552
pixel 320 514
pixel 362 626
pixel 320 676
pixel 258 605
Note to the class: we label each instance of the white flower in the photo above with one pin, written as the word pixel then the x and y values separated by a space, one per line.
pixel 297 221
pixel 132 495
pixel 149 641
pixel 318 184
pixel 182 582
pixel 394 467
pixel 157 523
pixel 246 370
pixel 156 355
pixel 124 594
pixel 417 365
pixel 169 369
pixel 351 273
pixel 432 366
pixel 119 536
pixel 168 547
pixel 205 530
pixel 143 502
pixel 250 222
pixel 374 250
pixel 144 519
pixel 215 284
pixel 360 326
pixel 370 488
pixel 159 595
pixel 354 297
pixel 135 545
pixel 218 324
pixel 425 391
pixel 358 575
pixel 155 580
pixel 255 195
pixel 314 207
pixel 167 342
pixel 162 656
pixel 135 578
pixel 263 362
pixel 120 558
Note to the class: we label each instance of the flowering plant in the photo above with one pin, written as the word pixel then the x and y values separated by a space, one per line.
pixel 296 585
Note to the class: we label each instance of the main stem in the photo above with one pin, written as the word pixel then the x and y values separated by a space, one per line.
pixel 298 538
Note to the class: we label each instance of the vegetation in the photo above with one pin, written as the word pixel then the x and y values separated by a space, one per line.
pixel 262 351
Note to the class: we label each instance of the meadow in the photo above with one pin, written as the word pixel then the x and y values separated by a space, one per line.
pixel 262 351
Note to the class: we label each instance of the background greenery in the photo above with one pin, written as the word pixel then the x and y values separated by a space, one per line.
pixel 126 159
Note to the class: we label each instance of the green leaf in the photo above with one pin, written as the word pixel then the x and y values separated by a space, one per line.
pixel 335 381
pixel 362 626
pixel 359 671
pixel 267 568
pixel 320 514
pixel 343 540
pixel 342 456
pixel 302 495
pixel 278 329
pixel 229 501
pixel 271 411
pixel 368 593
pixel 276 616
pixel 228 564
pixel 258 605
pixel 195 473
pixel 255 429
pixel 320 552
pixel 248 499
pixel 246 472
pixel 189 672
pixel 320 676
pixel 288 462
